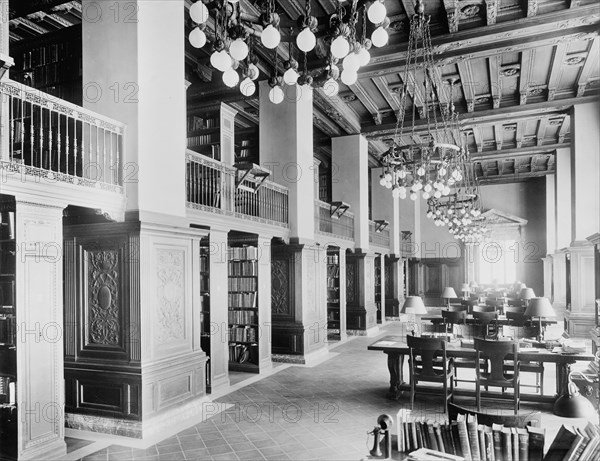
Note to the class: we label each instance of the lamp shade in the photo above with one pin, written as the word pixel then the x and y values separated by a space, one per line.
pixel 527 293
pixel 448 292
pixel 465 287
pixel 473 284
pixel 413 305
pixel 573 404
pixel 539 307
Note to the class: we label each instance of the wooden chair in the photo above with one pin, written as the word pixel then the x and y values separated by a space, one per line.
pixel 533 419
pixel 484 309
pixel 497 304
pixel 457 307
pixel 497 354
pixel 487 322
pixel 425 365
pixel 452 318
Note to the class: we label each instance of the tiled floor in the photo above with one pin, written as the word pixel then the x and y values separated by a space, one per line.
pixel 321 412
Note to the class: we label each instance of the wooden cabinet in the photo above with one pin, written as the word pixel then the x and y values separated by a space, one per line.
pixel 8 333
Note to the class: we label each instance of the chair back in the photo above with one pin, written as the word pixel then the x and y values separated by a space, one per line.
pixel 454 317
pixel 484 320
pixel 497 352
pixel 514 302
pixel 530 419
pixel 457 307
pixel 517 319
pixel 427 349
pixel 483 309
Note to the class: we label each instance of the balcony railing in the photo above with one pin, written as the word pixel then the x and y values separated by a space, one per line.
pixel 325 223
pixel 379 238
pixel 54 139
pixel 211 186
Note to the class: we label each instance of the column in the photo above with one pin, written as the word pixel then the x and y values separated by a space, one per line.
pixel 227 133
pixel 5 62
pixel 585 215
pixel 559 279
pixel 298 274
pixel 219 349
pixel 40 388
pixel 264 304
pixel 563 197
pixel 126 78
pixel 550 213
pixel 548 266
pixel 351 154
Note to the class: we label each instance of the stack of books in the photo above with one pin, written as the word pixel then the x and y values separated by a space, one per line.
pixel 574 444
pixel 467 439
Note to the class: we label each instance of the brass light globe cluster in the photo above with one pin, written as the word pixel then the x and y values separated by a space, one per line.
pixel 341 41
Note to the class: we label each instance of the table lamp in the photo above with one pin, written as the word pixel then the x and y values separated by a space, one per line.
pixel 413 306
pixel 466 289
pixel 526 295
pixel 573 404
pixel 539 307
pixel 447 294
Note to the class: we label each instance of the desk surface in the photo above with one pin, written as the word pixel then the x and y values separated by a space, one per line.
pixel 437 318
pixel 397 345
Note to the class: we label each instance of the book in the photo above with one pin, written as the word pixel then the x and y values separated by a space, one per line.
pixel 438 435
pixel 401 418
pixel 561 444
pixel 455 438
pixel 481 435
pixel 427 454
pixel 577 447
pixel 514 440
pixel 523 441
pixel 537 437
pixel 497 436
pixel 473 436
pixel 489 445
pixel 463 435
pixel 506 444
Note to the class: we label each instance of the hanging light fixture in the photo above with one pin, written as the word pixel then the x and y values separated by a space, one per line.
pixel 437 168
pixel 335 44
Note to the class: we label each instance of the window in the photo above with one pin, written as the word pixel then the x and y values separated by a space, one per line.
pixel 497 262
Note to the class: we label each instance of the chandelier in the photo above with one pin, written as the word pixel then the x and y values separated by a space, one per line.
pixel 342 39
pixel 428 156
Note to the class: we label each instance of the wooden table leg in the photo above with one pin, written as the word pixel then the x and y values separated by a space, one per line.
pixel 395 367
pixel 562 378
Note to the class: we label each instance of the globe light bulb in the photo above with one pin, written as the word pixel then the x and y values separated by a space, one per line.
pixel 402 174
pixel 382 180
pixel 238 49
pixel 221 60
pixel 349 77
pixel 247 87
pixel 446 191
pixel 388 185
pixel 276 95
pixel 331 88
pixel 420 171
pixel 306 40
pixel 388 176
pixel 231 77
pixel 233 1
pixel 437 194
pixel 270 37
pixel 364 57
pixel 351 62
pixel 426 195
pixel 290 76
pixel 427 187
pixel 197 38
pixel 413 196
pixel 376 12
pixel 199 12
pixel 253 72
pixel 340 47
pixel 442 171
pixel 396 193
pixel 379 37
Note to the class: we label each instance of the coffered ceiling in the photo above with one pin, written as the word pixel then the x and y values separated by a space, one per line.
pixel 520 65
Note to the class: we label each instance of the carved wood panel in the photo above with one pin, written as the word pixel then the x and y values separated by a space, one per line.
pixel 103 304
pixel 350 282
pixel 280 290
pixel 170 272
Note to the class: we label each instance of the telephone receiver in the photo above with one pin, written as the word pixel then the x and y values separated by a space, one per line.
pixel 383 428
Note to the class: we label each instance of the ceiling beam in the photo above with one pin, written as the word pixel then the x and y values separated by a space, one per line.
pixel 591 63
pixel 541 130
pixel 526 33
pixel 527 58
pixel 452 14
pixel 491 11
pixel 409 7
pixel 521 125
pixel 532 8
pixel 467 83
pixel 478 140
pixel 495 81
pixel 564 129
pixel 490 115
pixel 514 152
pixel 366 100
pixel 416 94
pixel 556 69
pixel 390 97
pixel 498 136
pixel 340 112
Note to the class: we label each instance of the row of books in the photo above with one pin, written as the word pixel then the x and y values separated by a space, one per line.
pixel 242 353
pixel 242 300
pixel 470 440
pixel 7 391
pixel 201 140
pixel 245 334
pixel 248 252
pixel 8 329
pixel 242 317
pixel 243 268
pixel 332 259
pixel 48 54
pixel 204 262
pixel 7 225
pixel 242 284
pixel 575 444
pixel 333 300
pixel 7 292
pixel 333 271
pixel 198 123
pixel 51 74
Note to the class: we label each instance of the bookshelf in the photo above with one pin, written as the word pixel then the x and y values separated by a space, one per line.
pixel 246 146
pixel 51 63
pixel 243 334
pixel 333 295
pixel 8 334
pixel 380 313
pixel 205 306
pixel 203 136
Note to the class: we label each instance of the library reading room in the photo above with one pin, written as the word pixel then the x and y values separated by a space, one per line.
pixel 321 230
